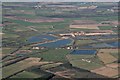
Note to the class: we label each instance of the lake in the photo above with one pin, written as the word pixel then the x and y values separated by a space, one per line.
pixel 41 38
pixel 101 45
pixel 84 52
pixel 56 44
pixel 114 44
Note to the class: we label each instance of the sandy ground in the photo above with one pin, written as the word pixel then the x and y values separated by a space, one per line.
pixel 84 22
pixel 23 51
pixel 112 65
pixel 106 58
pixel 91 26
pixel 66 73
pixel 106 71
pixel 1 25
pixel 108 50
pixel 111 22
pixel 91 23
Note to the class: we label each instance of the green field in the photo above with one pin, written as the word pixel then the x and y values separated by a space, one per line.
pixel 82 61
pixel 53 55
pixel 105 27
pixel 26 74
pixel 16 67
pixel 48 66
pixel 6 50
pixel 81 42
pixel 10 35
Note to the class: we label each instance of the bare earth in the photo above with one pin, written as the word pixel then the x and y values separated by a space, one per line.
pixel 106 71
pixel 113 65
pixel 85 26
pixel 106 58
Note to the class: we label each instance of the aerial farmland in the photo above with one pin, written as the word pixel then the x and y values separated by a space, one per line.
pixel 60 40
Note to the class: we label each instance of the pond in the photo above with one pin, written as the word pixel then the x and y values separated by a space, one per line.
pixel 114 44
pixel 86 46
pixel 101 45
pixel 56 44
pixel 41 38
pixel 110 36
pixel 84 52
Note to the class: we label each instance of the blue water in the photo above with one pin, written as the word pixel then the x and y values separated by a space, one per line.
pixel 41 38
pixel 87 46
pixel 110 36
pixel 114 44
pixel 101 45
pixel 90 52
pixel 59 43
